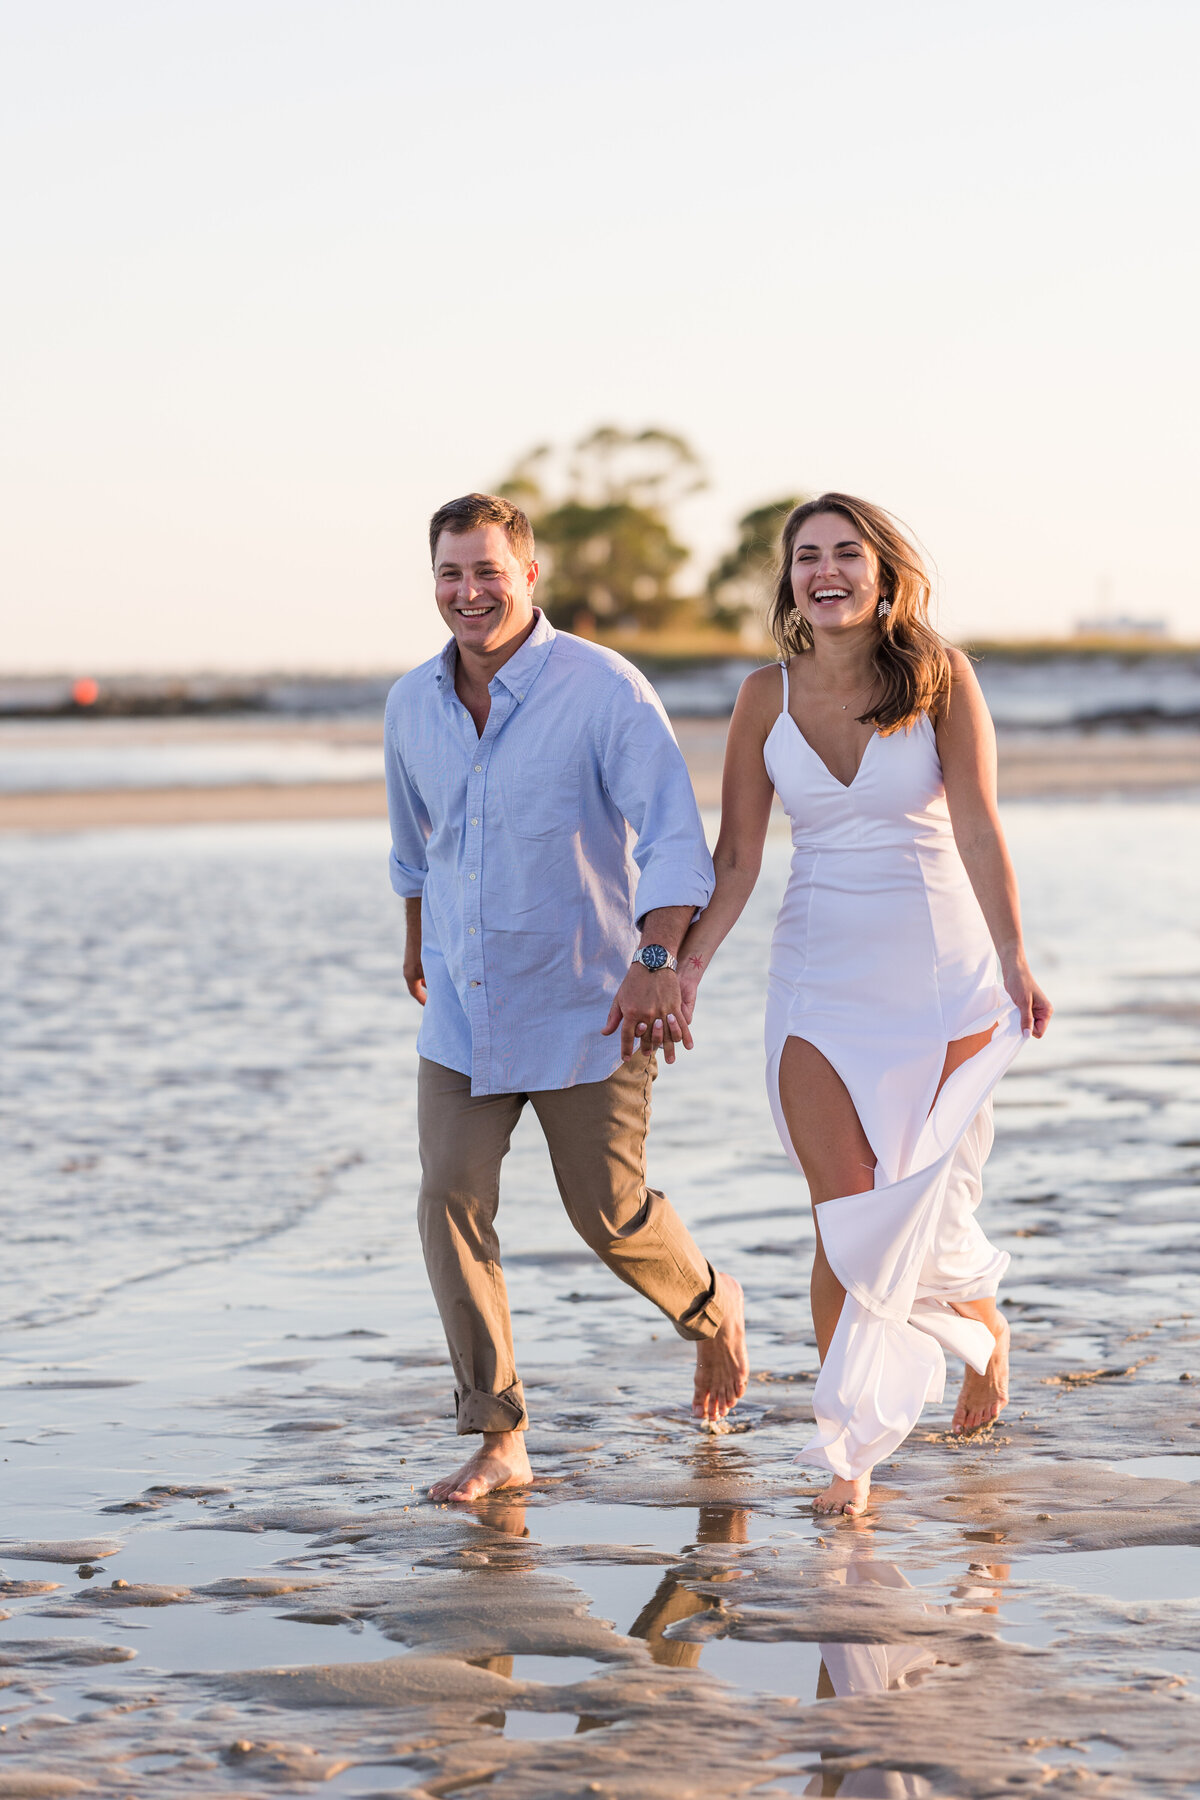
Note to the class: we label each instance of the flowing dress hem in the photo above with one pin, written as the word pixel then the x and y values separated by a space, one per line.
pixel 887 1357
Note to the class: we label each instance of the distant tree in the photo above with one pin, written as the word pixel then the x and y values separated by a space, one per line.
pixel 739 585
pixel 600 513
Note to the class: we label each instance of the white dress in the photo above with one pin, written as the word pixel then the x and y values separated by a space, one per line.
pixel 881 959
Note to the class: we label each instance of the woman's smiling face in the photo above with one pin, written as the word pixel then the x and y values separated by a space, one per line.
pixel 835 574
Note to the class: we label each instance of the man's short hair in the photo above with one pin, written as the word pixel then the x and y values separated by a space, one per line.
pixel 471 510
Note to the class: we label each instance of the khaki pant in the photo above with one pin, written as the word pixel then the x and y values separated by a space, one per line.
pixel 596 1133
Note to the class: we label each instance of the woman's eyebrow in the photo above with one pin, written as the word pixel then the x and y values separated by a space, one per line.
pixel 846 544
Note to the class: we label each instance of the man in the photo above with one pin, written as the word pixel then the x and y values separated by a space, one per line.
pixel 518 760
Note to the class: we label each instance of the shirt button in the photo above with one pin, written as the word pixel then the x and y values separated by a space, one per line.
pixel 470 931
pixel 479 768
pixel 474 984
pixel 474 821
pixel 471 876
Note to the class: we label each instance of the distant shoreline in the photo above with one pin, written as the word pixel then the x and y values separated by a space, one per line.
pixel 1033 765
pixel 272 694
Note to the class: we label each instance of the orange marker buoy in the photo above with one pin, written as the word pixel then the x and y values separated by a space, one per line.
pixel 85 691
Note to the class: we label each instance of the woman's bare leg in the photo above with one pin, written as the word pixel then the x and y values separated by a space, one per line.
pixel 961 1051
pixel 982 1396
pixel 832 1146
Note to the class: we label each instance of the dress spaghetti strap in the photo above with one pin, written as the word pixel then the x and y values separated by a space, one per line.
pixel 783 672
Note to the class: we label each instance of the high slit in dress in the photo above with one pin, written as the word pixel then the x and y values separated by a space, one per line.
pixel 881 959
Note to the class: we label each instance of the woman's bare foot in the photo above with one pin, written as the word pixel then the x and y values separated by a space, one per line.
pixel 501 1462
pixel 722 1364
pixel 844 1496
pixel 983 1396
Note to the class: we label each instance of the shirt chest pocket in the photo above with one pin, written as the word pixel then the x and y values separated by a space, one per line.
pixel 543 800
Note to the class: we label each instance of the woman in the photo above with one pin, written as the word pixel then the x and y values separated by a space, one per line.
pixel 887 1024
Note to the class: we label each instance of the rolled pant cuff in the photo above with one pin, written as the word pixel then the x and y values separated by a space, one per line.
pixel 703 1320
pixel 478 1411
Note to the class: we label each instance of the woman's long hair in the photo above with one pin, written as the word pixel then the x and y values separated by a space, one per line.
pixel 909 659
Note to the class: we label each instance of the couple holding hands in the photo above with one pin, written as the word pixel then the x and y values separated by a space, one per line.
pixel 562 909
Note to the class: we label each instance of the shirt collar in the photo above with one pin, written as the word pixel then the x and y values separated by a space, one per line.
pixel 520 670
pixel 523 668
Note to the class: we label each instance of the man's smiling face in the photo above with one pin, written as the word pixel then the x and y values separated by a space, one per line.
pixel 483 592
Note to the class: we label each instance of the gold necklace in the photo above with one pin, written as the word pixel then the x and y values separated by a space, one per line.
pixel 867 690
pixel 870 688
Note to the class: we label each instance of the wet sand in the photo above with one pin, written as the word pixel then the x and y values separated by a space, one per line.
pixel 1032 765
pixel 223 1389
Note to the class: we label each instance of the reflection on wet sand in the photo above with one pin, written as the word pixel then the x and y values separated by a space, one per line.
pixel 869 1784
pixel 850 1669
pixel 900 1665
pixel 872 1668
pixel 672 1602
pixel 503 1514
pixel 846 1669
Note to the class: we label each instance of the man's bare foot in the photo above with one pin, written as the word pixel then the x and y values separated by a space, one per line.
pixel 722 1364
pixel 844 1496
pixel 983 1396
pixel 500 1462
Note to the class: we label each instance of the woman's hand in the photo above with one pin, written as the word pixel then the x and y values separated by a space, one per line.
pixel 691 968
pixel 1026 995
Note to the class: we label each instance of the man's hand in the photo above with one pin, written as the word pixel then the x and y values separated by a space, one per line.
pixel 648 1007
pixel 414 974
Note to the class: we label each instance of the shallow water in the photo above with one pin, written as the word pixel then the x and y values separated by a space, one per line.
pixel 1141 1572
pixel 1170 1468
pixel 90 755
pixel 212 1280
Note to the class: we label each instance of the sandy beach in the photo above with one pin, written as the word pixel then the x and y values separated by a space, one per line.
pixel 224 1389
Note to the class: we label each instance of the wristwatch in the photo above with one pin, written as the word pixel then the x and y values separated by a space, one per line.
pixel 655 957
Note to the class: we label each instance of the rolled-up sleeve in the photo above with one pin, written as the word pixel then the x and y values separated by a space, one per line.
pixel 648 781
pixel 407 864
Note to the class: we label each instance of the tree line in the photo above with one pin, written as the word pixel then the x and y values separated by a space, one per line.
pixel 602 512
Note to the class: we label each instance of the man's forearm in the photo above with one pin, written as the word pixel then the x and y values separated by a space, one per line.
pixel 414 971
pixel 666 925
pixel 412 937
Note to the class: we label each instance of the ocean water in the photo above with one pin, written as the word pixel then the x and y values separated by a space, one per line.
pixel 330 730
pixel 40 756
pixel 205 1045
pixel 87 755
pixel 1046 693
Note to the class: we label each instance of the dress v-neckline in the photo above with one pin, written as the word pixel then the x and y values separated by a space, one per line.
pixel 844 785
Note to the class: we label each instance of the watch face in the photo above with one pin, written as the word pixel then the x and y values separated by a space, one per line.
pixel 654 957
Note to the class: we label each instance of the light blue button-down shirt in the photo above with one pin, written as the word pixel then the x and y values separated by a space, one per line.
pixel 535 848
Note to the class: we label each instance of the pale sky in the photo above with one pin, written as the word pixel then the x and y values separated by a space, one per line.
pixel 283 275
